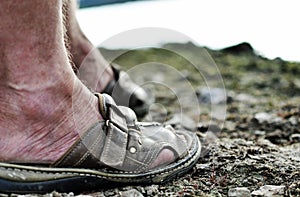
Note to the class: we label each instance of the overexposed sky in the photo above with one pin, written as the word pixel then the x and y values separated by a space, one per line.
pixel 270 26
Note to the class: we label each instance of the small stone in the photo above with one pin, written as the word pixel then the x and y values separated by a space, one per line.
pixel 205 127
pixel 239 192
pixel 263 117
pixel 141 189
pixel 110 193
pixel 152 190
pixel 246 98
pixel 215 193
pixel 55 194
pixel 295 137
pixel 131 193
pixel 71 194
pixel 259 133
pixel 211 95
pixel 269 190
pixel 14 195
pixel 204 166
pixel 293 120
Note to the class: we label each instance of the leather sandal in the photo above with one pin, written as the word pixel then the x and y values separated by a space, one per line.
pixel 127 93
pixel 114 152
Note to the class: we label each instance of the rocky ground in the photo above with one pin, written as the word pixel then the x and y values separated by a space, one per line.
pixel 253 150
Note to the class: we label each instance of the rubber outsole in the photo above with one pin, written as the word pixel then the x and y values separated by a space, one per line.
pixel 29 179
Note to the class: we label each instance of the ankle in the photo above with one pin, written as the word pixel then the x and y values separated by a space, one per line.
pixel 93 69
pixel 80 47
pixel 48 126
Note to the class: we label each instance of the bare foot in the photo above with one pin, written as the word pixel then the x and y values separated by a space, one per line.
pixel 40 124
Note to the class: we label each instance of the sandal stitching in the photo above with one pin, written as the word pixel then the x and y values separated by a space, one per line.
pixel 148 158
pixel 90 150
pixel 105 151
pixel 152 155
pixel 112 178
pixel 130 172
pixel 70 154
pixel 187 163
pixel 144 164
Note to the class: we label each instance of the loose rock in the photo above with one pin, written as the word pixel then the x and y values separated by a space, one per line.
pixel 269 190
pixel 239 192
pixel 211 95
pixel 131 193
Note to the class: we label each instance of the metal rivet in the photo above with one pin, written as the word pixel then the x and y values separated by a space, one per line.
pixel 107 123
pixel 132 149
pixel 140 141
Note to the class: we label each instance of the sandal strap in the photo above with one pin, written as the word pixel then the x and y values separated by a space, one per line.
pixel 81 153
pixel 103 144
pixel 120 143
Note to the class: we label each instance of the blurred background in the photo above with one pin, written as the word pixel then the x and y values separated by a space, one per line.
pixel 236 81
pixel 271 27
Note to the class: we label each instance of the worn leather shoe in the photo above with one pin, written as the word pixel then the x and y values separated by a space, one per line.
pixel 127 93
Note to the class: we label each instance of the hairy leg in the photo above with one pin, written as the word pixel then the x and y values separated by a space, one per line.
pixel 41 100
pixel 89 65
pixel 44 107
pixel 87 59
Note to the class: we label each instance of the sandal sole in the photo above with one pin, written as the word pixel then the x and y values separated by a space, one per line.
pixel 30 179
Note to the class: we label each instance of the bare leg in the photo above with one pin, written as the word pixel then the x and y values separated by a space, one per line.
pixel 86 57
pixel 39 91
pixel 44 108
pixel 91 65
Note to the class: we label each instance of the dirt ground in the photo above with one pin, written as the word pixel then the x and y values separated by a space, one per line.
pixel 253 149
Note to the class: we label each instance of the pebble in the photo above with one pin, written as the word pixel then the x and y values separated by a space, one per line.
pixel 246 98
pixel 239 192
pixel 263 117
pixel 131 193
pixel 259 133
pixel 269 190
pixel 211 95
pixel 293 120
pixel 203 166
pixel 152 190
pixel 215 193
pixel 204 127
pixel 295 137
